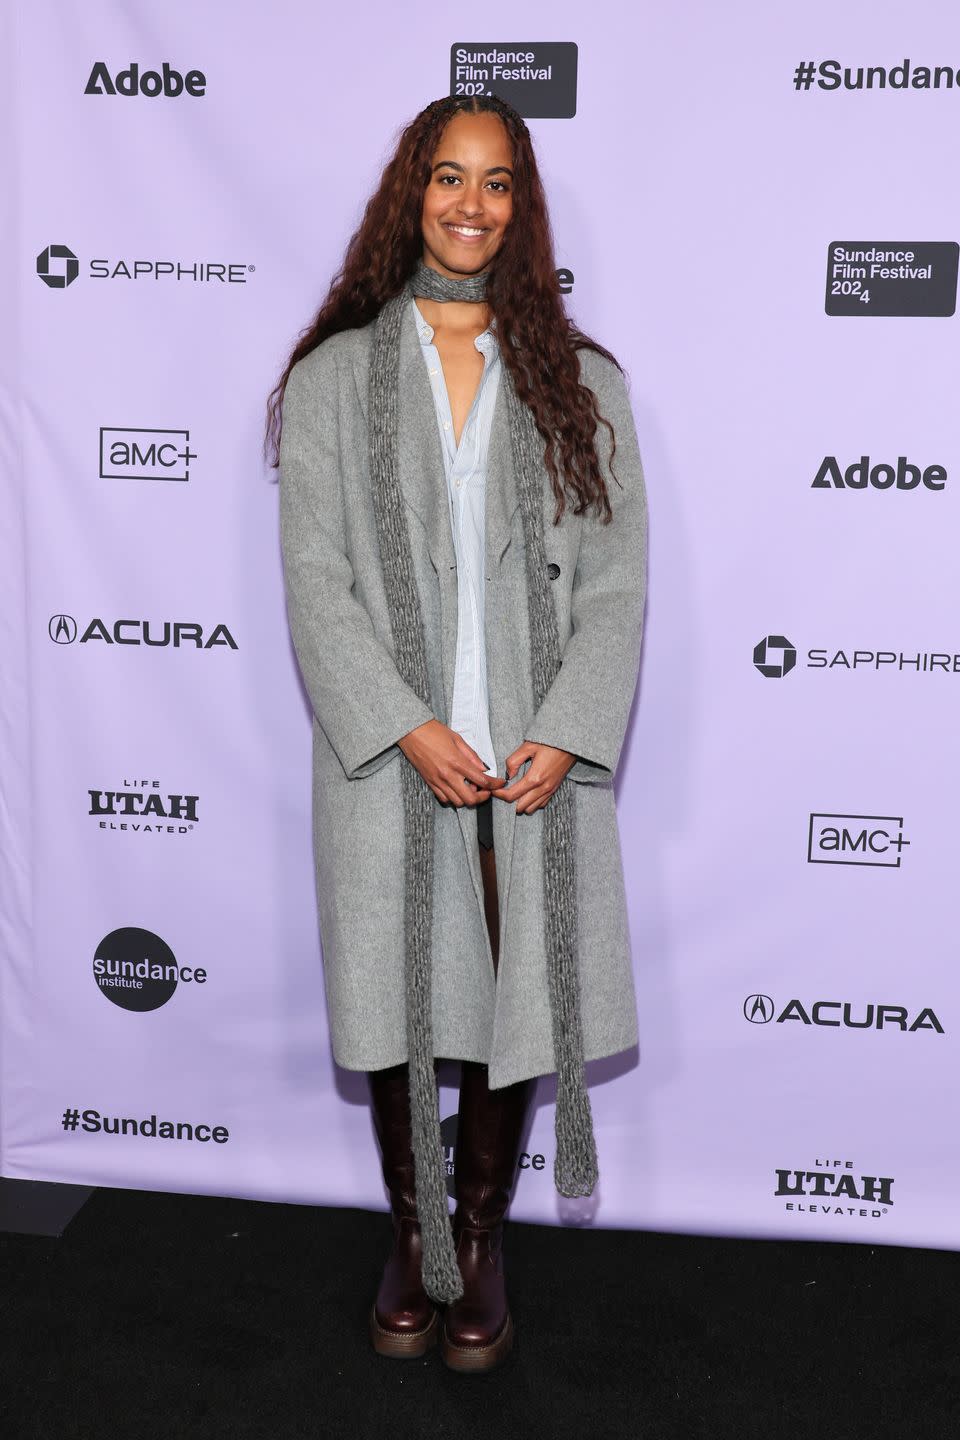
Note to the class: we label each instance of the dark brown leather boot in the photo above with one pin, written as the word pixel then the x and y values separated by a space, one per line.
pixel 478 1328
pixel 404 1321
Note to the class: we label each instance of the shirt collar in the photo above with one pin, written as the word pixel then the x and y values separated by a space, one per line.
pixel 486 341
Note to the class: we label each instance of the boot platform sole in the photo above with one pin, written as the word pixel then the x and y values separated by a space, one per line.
pixel 472 1359
pixel 403 1344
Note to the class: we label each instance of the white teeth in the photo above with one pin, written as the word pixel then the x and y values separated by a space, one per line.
pixel 465 230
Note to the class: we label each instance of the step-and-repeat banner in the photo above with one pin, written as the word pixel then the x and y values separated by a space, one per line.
pixel 751 210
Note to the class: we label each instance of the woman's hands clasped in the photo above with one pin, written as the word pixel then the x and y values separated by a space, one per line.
pixel 452 768
pixel 456 774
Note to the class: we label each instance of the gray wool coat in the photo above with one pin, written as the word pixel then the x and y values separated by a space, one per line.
pixel 340 628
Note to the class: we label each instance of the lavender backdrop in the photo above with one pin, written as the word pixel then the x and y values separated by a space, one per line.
pixel 696 193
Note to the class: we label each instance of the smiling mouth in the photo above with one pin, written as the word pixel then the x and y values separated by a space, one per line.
pixel 469 232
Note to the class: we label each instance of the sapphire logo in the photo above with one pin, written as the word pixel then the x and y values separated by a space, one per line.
pixel 57 266
pixel 774 656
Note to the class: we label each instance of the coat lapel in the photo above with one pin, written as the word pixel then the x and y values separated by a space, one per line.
pixel 501 498
pixel 422 475
pixel 420 458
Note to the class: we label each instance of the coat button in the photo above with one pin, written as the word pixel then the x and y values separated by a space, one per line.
pixel 553 570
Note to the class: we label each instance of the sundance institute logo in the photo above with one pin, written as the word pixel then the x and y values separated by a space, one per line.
pixel 448 1143
pixel 138 971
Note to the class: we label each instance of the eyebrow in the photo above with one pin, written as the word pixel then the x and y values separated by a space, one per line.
pixel 494 169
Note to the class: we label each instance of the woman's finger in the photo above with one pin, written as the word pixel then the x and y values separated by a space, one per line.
pixel 534 800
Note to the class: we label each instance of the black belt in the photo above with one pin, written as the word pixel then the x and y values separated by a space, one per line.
pixel 485 824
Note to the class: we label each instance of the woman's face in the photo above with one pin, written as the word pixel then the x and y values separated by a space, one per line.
pixel 468 201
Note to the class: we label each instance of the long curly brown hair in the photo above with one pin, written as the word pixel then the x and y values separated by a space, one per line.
pixel 539 341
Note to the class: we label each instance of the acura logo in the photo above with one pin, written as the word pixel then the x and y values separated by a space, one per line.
pixel 758 1009
pixel 62 629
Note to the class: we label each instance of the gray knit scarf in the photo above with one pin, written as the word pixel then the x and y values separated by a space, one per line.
pixel 575 1169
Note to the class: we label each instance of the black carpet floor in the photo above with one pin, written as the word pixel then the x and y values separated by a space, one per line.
pixel 184 1316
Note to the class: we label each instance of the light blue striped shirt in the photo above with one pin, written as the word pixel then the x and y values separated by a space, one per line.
pixel 466 472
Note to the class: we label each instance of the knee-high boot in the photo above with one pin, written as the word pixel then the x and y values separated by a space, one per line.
pixel 478 1328
pixel 404 1321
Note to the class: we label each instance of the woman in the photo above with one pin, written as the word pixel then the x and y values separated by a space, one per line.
pixel 465 576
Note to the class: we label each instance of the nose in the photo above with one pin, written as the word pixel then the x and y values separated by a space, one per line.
pixel 471 200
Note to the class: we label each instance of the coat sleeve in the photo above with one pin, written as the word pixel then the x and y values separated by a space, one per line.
pixel 360 700
pixel 588 705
